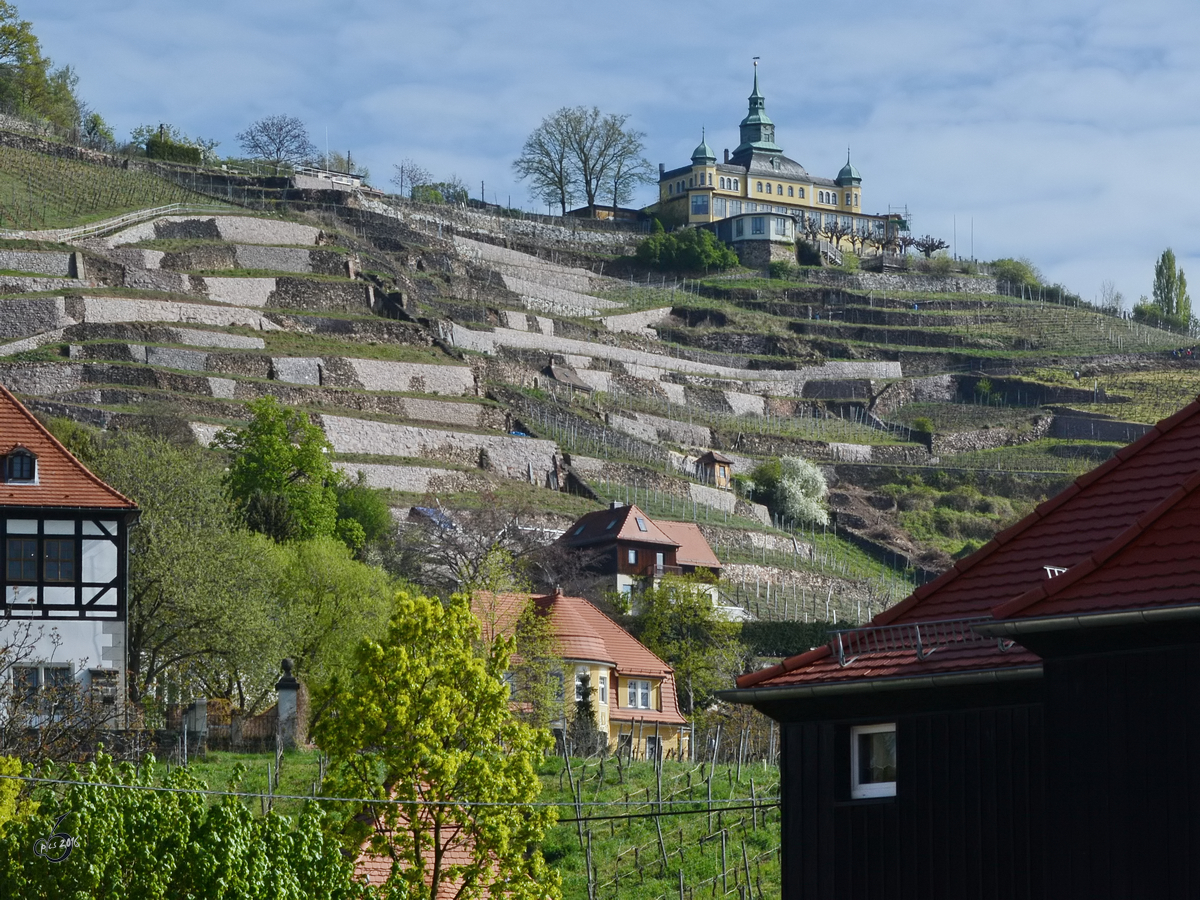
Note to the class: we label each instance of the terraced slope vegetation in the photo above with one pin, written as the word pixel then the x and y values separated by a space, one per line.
pixel 457 357
pixel 40 192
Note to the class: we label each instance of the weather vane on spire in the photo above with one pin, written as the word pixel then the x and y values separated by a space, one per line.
pixel 756 62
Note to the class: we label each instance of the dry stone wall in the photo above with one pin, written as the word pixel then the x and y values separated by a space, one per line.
pixel 890 282
pixel 524 459
pixel 39 262
pixel 415 479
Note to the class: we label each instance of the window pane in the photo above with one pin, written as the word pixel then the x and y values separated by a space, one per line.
pixel 633 693
pixel 21 557
pixel 58 526
pixel 59 559
pixel 645 695
pixel 876 757
pixel 22 526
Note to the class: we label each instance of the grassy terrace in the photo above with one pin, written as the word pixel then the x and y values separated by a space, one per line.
pixel 1153 395
pixel 40 192
pixel 629 859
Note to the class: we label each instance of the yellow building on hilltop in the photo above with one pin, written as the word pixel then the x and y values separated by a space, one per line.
pixel 761 202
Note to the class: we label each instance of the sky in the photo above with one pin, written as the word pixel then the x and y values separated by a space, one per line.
pixel 1062 131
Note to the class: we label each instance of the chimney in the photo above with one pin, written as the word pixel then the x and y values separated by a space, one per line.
pixel 726 154
pixel 661 170
pixel 616 504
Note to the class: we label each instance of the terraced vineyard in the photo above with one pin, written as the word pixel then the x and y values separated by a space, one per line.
pixel 40 192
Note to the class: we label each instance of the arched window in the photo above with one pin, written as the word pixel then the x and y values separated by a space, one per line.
pixel 779 189
pixel 20 466
pixel 791 191
pixel 670 189
pixel 721 183
pixel 735 184
pixel 768 187
pixel 691 181
pixel 801 193
pixel 710 179
pixel 759 187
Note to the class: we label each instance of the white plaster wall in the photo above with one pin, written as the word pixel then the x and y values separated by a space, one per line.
pixel 86 643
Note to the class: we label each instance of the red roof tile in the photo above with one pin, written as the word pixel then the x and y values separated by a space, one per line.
pixel 626 523
pixel 1096 512
pixel 583 633
pixel 693 548
pixel 62 480
pixel 1152 563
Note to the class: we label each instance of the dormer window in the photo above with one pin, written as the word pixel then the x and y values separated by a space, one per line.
pixel 20 467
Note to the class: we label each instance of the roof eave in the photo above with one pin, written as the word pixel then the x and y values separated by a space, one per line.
pixel 881 685
pixel 1044 624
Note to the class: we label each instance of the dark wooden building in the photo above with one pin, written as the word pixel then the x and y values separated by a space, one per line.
pixel 1025 726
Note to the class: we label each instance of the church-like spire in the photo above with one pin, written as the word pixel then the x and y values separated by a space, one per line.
pixel 757 129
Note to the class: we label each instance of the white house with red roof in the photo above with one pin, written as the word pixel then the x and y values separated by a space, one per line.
pixel 633 691
pixel 63 584
pixel 1025 726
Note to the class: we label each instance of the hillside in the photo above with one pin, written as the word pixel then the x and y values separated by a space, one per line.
pixel 461 357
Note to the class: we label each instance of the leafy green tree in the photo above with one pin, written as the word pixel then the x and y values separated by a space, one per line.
pixel 1170 293
pixel 28 81
pixel 12 805
pixel 679 621
pixel 137 844
pixel 199 592
pixel 689 250
pixel 424 719
pixel 793 488
pixel 327 603
pixel 281 454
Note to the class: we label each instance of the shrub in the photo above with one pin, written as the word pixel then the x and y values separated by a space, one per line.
pixel 689 251
pixel 849 261
pixel 793 488
pixel 166 149
pixel 781 269
pixel 807 254
pixel 923 424
pixel 941 265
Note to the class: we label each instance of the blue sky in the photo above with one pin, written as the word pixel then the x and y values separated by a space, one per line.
pixel 1064 131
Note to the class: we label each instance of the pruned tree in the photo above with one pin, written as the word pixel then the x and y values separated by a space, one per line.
pixel 905 242
pixel 928 245
pixel 408 175
pixel 835 229
pixel 278 139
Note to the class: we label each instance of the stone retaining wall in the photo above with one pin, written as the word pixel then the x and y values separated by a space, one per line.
pixel 875 281
pixel 39 262
pixel 511 457
pixel 22 317
pixel 235 229
pixel 415 479
pixel 656 428
pixel 488 342
pixel 1094 428
pixel 989 438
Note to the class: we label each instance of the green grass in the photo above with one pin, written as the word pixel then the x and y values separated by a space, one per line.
pixel 39 191
pixel 1153 395
pixel 626 853
pixel 1048 455
pixel 296 776
pixel 950 417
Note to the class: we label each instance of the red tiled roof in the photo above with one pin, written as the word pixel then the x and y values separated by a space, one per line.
pixel 584 633
pixel 62 480
pixel 1152 563
pixel 458 850
pixel 693 548
pixel 1098 511
pixel 621 523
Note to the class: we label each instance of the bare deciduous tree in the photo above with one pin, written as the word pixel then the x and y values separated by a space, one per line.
pixel 928 244
pixel 408 175
pixel 277 139
pixel 578 152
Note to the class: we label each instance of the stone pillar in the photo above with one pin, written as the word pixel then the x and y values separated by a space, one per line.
pixel 288 689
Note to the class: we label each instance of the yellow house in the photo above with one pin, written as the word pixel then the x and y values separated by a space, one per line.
pixel 633 691
pixel 759 200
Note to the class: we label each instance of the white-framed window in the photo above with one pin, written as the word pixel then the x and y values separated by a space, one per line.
pixel 780 226
pixel 758 185
pixel 710 179
pixel 849 198
pixel 791 191
pixel 641 523
pixel 735 207
pixel 604 689
pixel 631 557
pixel 779 189
pixel 581 674
pixel 768 187
pixel 20 467
pixel 735 184
pixel 873 761
pixel 718 207
pixel 801 194
pixel 699 204
pixel 653 747
pixel 639 694
pixel 758 225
